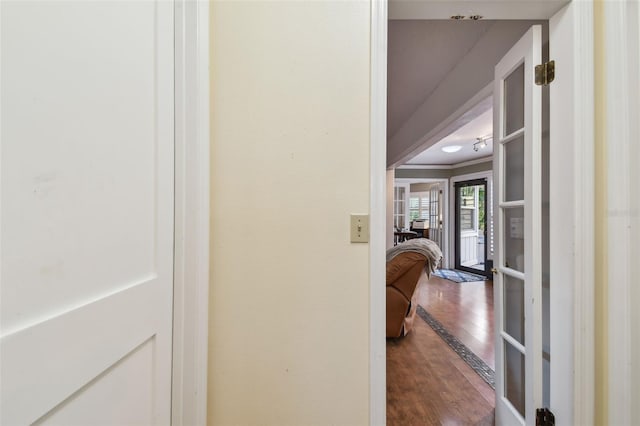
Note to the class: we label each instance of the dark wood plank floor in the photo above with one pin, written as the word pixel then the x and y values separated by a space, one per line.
pixel 428 383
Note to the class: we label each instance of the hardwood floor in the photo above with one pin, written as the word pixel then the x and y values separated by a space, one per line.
pixel 427 382
pixel 466 311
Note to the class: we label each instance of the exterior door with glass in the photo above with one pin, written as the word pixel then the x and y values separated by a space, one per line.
pixel 471 226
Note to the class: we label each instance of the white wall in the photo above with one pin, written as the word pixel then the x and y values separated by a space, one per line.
pixel 289 330
pixel 634 220
pixel 621 52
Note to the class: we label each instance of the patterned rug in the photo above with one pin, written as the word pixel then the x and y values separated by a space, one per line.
pixel 473 360
pixel 458 276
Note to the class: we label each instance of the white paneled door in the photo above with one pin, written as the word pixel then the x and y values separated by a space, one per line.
pixel 86 205
pixel 517 133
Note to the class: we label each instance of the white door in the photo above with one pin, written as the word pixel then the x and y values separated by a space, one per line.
pixel 517 283
pixel 86 204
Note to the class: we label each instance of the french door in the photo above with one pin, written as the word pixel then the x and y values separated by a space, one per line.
pixel 435 215
pixel 518 273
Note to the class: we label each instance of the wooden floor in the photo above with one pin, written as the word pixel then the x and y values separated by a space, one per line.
pixel 428 383
pixel 465 310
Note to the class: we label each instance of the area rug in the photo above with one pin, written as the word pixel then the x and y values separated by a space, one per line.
pixel 473 360
pixel 458 276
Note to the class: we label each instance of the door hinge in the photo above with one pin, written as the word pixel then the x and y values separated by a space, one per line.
pixel 544 417
pixel 545 73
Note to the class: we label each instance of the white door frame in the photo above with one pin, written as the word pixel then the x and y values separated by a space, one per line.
pixel 574 172
pixel 378 215
pixel 621 236
pixel 191 256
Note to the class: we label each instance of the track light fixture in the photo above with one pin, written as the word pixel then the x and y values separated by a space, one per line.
pixel 482 143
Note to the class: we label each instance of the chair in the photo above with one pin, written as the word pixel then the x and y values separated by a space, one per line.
pixel 403 273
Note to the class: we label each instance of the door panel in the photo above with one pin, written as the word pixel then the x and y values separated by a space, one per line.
pixel 132 376
pixel 86 212
pixel 517 283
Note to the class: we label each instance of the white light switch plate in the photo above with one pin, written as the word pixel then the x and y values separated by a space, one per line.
pixel 359 228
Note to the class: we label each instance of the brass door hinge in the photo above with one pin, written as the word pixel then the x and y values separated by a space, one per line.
pixel 544 417
pixel 545 73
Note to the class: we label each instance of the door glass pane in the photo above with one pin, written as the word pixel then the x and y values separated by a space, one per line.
pixel 514 101
pixel 514 238
pixel 514 170
pixel 471 214
pixel 399 201
pixel 514 377
pixel 435 225
pixel 513 299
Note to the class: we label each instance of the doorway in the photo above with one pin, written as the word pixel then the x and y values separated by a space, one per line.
pixel 572 137
pixel 471 226
pixel 421 206
pixel 470 218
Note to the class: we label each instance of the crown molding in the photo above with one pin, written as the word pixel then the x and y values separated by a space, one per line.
pixel 445 166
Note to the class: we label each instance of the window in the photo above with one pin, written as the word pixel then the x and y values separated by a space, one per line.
pixel 467 219
pixel 419 206
pixel 468 208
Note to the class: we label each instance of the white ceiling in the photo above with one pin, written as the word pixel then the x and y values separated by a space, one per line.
pixel 465 136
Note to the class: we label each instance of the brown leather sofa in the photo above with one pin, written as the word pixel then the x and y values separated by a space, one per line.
pixel 403 273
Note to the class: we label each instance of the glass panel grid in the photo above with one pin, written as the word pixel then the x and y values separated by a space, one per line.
pixel 513 301
pixel 513 87
pixel 514 169
pixel 514 377
pixel 513 238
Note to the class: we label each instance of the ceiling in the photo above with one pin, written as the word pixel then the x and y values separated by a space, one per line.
pixel 465 137
pixel 435 59
pixel 494 9
pixel 412 71
pixel 434 65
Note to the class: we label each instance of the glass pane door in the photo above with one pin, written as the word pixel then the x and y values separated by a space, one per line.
pixel 400 207
pixel 435 214
pixel 517 283
pixel 471 226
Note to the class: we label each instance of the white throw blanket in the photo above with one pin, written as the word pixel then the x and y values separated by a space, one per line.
pixel 419 245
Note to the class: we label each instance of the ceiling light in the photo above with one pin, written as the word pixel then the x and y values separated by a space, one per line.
pixel 482 143
pixel 451 148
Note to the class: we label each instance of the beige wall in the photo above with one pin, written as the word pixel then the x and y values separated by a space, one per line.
pixel 289 334
pixel 617 214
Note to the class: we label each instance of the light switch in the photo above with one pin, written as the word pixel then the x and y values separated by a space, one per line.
pixel 359 228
